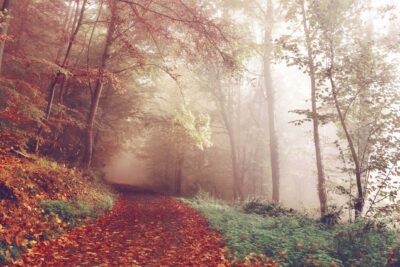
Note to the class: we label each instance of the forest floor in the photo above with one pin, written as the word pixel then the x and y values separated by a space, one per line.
pixel 141 230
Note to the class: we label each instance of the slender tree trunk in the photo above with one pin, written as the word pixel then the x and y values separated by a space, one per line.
pixel 65 30
pixel 178 176
pixel 99 88
pixel 273 140
pixel 74 34
pixel 317 143
pixel 52 90
pixel 237 188
pixel 359 203
pixel 59 74
pixel 6 10
pixel 228 123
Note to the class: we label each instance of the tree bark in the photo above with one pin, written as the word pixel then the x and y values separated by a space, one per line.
pixel 6 10
pixel 270 93
pixel 317 143
pixel 99 87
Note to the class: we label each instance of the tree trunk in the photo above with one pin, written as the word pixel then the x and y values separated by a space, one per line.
pixel 99 88
pixel 178 176
pixel 53 83
pixel 66 23
pixel 359 203
pixel 237 187
pixel 228 123
pixel 317 143
pixel 5 9
pixel 52 90
pixel 273 140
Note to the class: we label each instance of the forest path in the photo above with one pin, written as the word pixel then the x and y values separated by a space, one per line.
pixel 141 230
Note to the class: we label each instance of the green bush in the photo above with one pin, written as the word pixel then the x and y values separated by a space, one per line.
pixel 266 209
pixel 64 209
pixel 106 203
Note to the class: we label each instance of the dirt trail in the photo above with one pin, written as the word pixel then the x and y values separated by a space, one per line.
pixel 141 230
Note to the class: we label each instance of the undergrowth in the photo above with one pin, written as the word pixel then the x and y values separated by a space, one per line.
pixel 73 211
pixel 295 239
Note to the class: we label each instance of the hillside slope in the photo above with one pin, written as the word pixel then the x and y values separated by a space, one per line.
pixel 40 199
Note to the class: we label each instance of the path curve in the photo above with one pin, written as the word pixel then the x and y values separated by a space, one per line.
pixel 141 230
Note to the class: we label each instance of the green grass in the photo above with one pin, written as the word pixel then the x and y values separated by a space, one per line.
pixel 294 239
pixel 72 211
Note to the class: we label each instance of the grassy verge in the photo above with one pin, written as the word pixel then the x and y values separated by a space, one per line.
pixel 294 239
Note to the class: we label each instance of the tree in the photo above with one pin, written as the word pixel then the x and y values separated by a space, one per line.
pixel 273 140
pixel 308 62
pixel 5 19
pixel 62 73
pixel 174 143
pixel 359 85
pixel 99 85
pixel 369 79
pixel 317 143
pixel 154 24
pixel 231 120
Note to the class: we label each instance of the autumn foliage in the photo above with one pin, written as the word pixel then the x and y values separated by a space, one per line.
pixel 25 183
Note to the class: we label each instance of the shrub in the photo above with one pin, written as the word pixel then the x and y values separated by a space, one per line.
pixel 364 243
pixel 106 203
pixel 266 209
pixel 64 209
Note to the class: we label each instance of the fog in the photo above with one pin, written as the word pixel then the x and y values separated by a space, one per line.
pixel 180 149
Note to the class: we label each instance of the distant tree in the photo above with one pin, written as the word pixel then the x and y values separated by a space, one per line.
pixel 270 94
pixel 299 13
pixel 174 146
pixel 263 107
pixel 228 103
pixel 4 22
